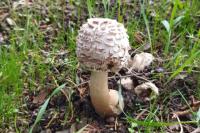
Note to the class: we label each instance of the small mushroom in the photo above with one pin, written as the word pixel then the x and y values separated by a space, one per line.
pixel 141 61
pixel 102 47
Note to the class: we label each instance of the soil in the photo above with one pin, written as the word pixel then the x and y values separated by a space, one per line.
pixel 84 114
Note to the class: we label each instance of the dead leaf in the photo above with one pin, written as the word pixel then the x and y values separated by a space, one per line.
pixel 3 16
pixel 140 61
pixel 139 37
pixel 40 98
pixel 145 89
pixel 81 92
pixel 127 83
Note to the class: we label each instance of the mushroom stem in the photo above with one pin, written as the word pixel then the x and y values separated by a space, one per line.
pixel 105 101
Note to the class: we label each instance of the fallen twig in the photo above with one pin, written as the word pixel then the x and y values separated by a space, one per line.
pixel 194 106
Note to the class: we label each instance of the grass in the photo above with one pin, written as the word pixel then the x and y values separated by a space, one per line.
pixel 29 60
pixel 22 60
pixel 146 24
pixel 10 82
pixel 91 7
pixel 44 106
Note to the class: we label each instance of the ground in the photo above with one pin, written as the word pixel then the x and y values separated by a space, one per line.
pixel 44 89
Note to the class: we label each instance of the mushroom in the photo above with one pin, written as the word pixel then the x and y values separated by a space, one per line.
pixel 102 47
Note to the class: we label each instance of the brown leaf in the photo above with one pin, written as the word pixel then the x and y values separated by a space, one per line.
pixel 40 98
pixel 3 16
pixel 139 37
pixel 82 92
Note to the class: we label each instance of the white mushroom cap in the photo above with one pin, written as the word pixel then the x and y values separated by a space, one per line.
pixel 102 44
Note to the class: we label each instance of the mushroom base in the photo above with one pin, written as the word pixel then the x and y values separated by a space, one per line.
pixel 106 102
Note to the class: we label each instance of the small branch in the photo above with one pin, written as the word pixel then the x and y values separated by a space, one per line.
pixel 185 112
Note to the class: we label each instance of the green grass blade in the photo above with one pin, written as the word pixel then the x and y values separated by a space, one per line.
pixel 57 90
pixel 156 124
pixel 178 19
pixel 90 7
pixel 44 106
pixel 180 69
pixel 106 5
pixel 176 55
pixel 166 25
pixel 168 29
pixel 147 24
pixel 40 114
pixel 173 13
